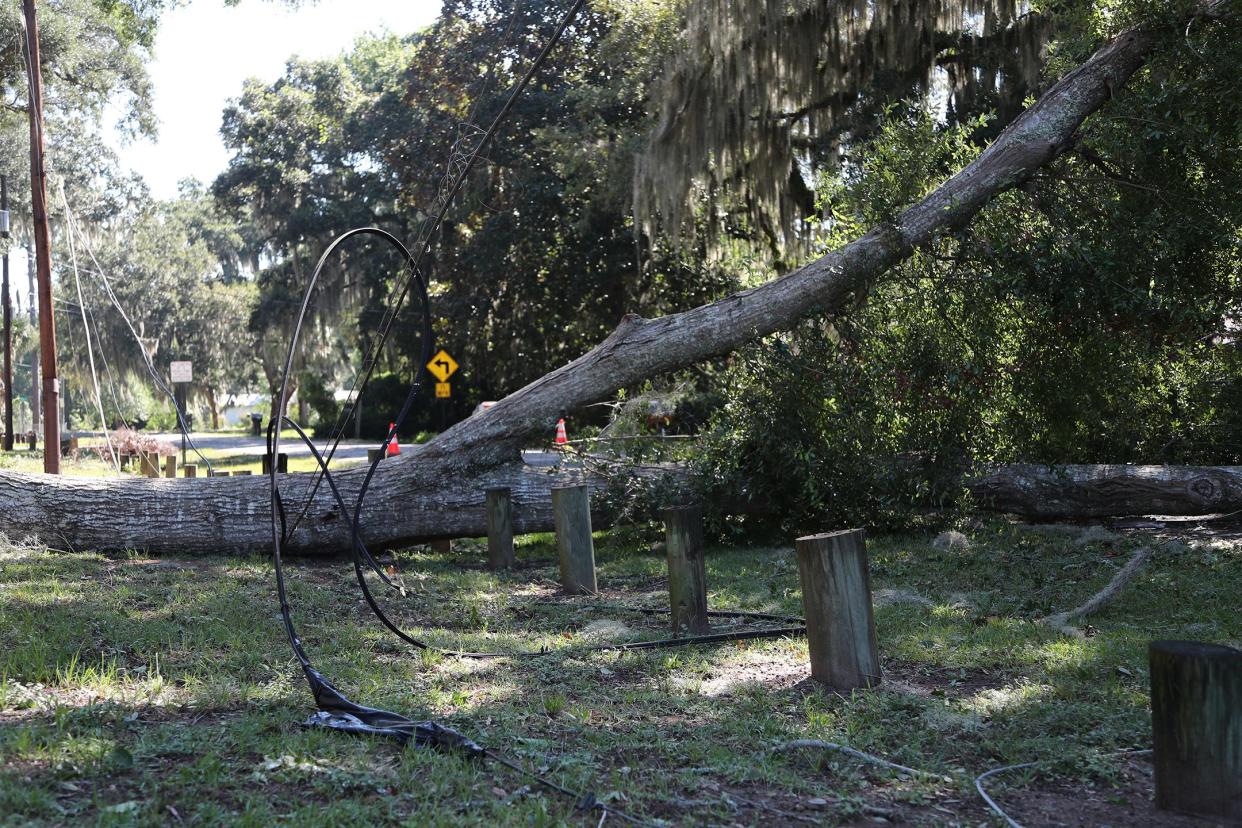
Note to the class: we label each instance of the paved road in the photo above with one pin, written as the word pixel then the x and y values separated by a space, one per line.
pixel 234 443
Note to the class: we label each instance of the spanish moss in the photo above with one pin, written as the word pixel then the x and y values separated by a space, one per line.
pixel 759 89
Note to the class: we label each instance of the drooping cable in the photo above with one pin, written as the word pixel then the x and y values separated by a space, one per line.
pixel 103 280
pixel 336 711
pixel 460 165
pixel 86 330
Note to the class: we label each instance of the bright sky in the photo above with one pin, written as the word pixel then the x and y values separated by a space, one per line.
pixel 205 49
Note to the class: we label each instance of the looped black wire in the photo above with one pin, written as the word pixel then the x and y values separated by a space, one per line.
pixel 335 710
pixel 361 554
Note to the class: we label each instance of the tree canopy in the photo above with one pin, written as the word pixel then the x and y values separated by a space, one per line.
pixel 668 154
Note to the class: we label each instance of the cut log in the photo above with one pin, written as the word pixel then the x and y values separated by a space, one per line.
pixel 571 512
pixel 687 575
pixel 836 595
pixel 1094 491
pixel 436 489
pixel 1196 722
pixel 499 529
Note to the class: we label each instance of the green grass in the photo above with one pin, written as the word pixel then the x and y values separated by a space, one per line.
pixel 137 691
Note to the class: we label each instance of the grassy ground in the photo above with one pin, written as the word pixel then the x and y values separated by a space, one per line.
pixel 139 691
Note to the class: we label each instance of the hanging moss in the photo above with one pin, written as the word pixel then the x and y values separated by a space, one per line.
pixel 760 87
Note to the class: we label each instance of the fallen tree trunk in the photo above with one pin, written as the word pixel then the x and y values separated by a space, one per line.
pixel 1084 491
pixel 231 515
pixel 438 489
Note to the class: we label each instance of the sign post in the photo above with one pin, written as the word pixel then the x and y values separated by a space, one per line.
pixel 442 366
pixel 182 375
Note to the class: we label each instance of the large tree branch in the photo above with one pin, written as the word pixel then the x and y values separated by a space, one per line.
pixel 438 489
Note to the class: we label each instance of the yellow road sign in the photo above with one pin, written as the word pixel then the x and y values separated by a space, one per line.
pixel 442 366
pixel 443 390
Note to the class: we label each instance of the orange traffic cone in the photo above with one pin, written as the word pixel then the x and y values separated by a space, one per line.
pixel 393 447
pixel 561 437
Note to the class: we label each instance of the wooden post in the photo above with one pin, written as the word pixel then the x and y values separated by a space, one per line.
pixel 1196 724
pixel 443 546
pixel 571 513
pixel 243 473
pixel 125 461
pixel 282 463
pixel 499 529
pixel 150 464
pixel 170 466
pixel 220 474
pixel 190 469
pixel 373 455
pixel 836 597
pixel 687 576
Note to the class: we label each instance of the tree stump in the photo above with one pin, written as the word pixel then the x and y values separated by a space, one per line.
pixel 190 469
pixel 151 465
pixel 687 576
pixel 836 596
pixel 1196 723
pixel 170 466
pixel 571 514
pixel 499 529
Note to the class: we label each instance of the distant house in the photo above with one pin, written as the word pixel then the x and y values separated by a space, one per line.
pixel 238 407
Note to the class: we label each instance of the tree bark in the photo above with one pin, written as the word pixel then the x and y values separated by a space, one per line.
pixel 215 408
pixel 437 489
pixel 1196 723
pixel 1096 491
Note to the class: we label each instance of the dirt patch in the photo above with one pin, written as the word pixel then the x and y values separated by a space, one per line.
pixel 773 675
pixel 758 805
pixel 1131 802
pixel 942 682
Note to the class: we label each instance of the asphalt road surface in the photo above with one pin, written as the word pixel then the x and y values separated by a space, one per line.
pixel 235 443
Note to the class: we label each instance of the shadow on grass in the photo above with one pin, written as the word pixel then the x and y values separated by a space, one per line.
pixel 197 702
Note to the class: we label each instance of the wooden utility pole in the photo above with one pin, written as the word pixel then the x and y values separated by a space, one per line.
pixel 43 250
pixel 8 319
pixel 34 324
